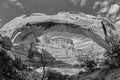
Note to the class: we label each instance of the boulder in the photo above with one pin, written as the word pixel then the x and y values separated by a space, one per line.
pixel 63 71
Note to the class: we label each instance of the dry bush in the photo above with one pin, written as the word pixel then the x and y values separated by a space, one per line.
pixel 53 75
pixel 90 61
pixel 113 54
pixel 87 62
pixel 10 69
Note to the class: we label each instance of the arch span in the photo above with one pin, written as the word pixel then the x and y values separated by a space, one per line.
pixel 28 28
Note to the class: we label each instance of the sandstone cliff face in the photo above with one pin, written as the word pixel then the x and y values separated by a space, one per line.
pixel 23 30
pixel 38 24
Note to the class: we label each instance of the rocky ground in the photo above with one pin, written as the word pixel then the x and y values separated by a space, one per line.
pixel 57 60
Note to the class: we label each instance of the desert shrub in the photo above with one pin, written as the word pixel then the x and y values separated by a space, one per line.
pixel 53 75
pixel 17 63
pixel 77 66
pixel 90 65
pixel 9 68
pixel 113 53
pixel 89 61
pixel 31 75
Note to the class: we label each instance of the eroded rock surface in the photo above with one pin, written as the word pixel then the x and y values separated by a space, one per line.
pixel 23 30
pixel 38 24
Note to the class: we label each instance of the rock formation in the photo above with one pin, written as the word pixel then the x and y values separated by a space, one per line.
pixel 37 24
pixel 25 29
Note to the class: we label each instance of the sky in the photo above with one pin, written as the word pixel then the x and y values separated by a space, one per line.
pixel 10 9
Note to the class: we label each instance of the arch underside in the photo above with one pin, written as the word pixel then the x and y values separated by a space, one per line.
pixel 30 32
pixel 22 28
pixel 25 29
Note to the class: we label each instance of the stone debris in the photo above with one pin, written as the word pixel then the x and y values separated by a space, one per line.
pixel 63 71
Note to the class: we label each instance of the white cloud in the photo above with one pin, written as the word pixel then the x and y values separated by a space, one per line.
pixel 81 2
pixel 104 6
pixel 75 1
pixel 103 10
pixel 16 3
pixel 101 4
pixel 109 9
pixel 113 9
pixel 5 5
pixel 97 3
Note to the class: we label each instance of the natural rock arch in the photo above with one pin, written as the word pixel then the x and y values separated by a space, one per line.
pixel 28 28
